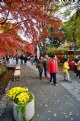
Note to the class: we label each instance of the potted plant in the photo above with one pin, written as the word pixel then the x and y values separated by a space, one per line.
pixel 23 103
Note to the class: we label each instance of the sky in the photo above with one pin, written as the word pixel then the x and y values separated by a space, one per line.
pixel 60 13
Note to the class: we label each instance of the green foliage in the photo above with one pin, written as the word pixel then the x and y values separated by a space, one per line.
pixel 55 50
pixel 2 70
pixel 72 32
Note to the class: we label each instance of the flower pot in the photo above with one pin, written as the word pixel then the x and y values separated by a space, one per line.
pixel 29 111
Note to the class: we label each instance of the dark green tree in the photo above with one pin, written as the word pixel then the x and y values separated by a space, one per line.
pixel 72 30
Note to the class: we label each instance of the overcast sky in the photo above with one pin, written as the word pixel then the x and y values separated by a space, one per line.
pixel 71 7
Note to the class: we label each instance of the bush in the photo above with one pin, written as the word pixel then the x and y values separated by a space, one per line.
pixel 2 70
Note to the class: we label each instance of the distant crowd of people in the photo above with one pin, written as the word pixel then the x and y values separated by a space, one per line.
pixel 47 65
pixel 18 59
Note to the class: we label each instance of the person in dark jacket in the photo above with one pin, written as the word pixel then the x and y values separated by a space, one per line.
pixel 76 59
pixel 25 59
pixel 21 58
pixel 45 64
pixel 40 66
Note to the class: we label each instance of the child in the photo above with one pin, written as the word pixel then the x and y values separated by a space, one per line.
pixel 65 70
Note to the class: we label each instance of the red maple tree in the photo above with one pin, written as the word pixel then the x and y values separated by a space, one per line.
pixel 32 17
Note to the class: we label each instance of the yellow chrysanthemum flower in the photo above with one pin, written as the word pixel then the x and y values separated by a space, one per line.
pixel 22 98
pixel 20 95
pixel 15 91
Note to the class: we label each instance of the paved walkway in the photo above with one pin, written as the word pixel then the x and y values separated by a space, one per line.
pixel 73 87
pixel 52 103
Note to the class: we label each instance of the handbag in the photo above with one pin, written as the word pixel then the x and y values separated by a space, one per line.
pixel 48 76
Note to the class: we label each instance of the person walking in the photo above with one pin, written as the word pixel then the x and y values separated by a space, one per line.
pixel 53 68
pixel 45 64
pixel 16 59
pixel 78 70
pixel 21 58
pixel 65 70
pixel 40 66
pixel 25 59
pixel 76 59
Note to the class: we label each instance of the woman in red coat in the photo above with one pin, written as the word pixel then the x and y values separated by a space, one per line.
pixel 53 68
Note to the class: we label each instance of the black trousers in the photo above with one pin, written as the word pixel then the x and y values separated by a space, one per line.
pixel 53 77
pixel 40 72
pixel 45 71
pixel 78 73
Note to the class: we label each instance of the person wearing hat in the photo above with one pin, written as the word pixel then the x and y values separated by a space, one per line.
pixel 53 68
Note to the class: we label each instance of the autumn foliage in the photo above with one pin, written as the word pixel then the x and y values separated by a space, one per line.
pixel 31 17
